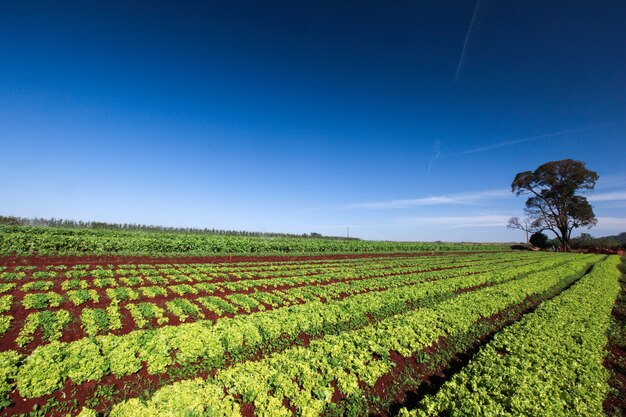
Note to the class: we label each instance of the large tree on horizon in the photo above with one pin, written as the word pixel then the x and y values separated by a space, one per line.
pixel 554 203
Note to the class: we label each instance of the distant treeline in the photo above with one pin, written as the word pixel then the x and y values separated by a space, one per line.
pixel 131 227
pixel 586 241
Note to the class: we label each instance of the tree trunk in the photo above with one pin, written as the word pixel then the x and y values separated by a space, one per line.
pixel 564 240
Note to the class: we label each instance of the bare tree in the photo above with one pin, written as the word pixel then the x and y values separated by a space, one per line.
pixel 527 225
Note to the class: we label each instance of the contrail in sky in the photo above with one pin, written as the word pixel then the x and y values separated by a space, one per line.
pixel 468 35
pixel 437 153
pixel 533 138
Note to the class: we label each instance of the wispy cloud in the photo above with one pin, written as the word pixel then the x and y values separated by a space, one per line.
pixel 437 153
pixel 615 224
pixel 461 222
pixel 614 196
pixel 611 181
pixel 449 199
pixel 533 138
pixel 468 35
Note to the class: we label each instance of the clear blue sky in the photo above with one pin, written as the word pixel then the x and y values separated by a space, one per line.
pixel 402 120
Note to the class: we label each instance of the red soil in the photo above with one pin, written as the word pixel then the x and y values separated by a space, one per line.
pixel 138 383
pixel 149 260
pixel 119 259
pixel 75 332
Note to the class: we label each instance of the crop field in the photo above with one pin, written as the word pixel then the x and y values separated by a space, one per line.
pixel 329 335
pixel 22 240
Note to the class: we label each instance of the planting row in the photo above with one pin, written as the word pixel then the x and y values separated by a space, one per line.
pixel 130 275
pixel 22 240
pixel 209 298
pixel 205 345
pixel 79 291
pixel 549 363
pixel 195 302
pixel 127 266
pixel 306 380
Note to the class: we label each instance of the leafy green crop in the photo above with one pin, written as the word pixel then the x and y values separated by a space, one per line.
pixel 5 303
pixel 42 301
pixel 40 240
pixel 8 371
pixel 50 322
pixel 548 364
pixel 349 313
pixel 302 376
pixel 242 336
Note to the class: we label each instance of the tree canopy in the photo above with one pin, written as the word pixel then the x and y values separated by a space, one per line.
pixel 539 240
pixel 554 203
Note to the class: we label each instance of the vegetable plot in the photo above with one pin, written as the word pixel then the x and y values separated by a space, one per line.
pixel 548 364
pixel 27 240
pixel 252 338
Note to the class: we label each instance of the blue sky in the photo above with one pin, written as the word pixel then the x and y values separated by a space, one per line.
pixel 402 121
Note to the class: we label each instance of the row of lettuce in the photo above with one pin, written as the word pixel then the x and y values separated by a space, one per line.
pixel 548 364
pixel 153 305
pixel 304 380
pixel 19 240
pixel 283 275
pixel 49 366
pixel 225 269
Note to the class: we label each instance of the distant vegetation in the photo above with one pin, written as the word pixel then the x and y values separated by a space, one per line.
pixel 586 241
pixel 29 240
pixel 131 227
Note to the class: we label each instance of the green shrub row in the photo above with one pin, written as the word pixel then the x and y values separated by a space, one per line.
pixel 23 240
pixel 240 336
pixel 96 321
pixel 547 364
pixel 305 377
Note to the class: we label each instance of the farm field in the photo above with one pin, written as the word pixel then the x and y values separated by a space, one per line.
pixel 27 240
pixel 282 336
pixel 312 209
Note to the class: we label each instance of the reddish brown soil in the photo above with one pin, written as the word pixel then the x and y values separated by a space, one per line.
pixel 74 331
pixel 139 383
pixel 410 380
pixel 115 259
pixel 247 410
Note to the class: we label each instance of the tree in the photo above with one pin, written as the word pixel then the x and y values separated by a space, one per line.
pixel 539 240
pixel 528 226
pixel 553 202
pixel 584 241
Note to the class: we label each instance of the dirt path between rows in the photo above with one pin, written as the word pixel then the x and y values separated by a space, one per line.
pixel 12 261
